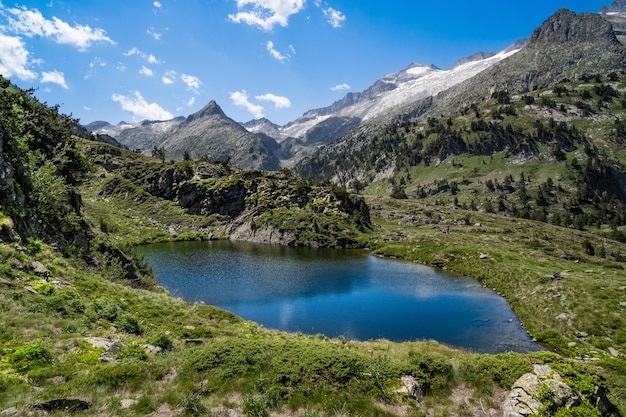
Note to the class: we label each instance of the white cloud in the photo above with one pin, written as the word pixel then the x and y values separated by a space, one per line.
pixel 153 33
pixel 274 53
pixel 120 67
pixel 140 108
pixel 279 102
pixel 54 77
pixel 14 58
pixel 240 98
pixel 191 101
pixel 292 49
pixel 334 17
pixel 340 87
pixel 169 77
pixel 97 62
pixel 150 58
pixel 30 22
pixel 193 83
pixel 157 4
pixel 146 71
pixel 86 108
pixel 266 13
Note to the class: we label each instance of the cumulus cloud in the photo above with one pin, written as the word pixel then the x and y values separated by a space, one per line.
pixel 54 77
pixel 14 60
pixel 30 22
pixel 140 108
pixel 146 71
pixel 340 87
pixel 274 53
pixel 266 13
pixel 157 4
pixel 334 17
pixel 240 98
pixel 278 101
pixel 193 83
pixel 191 101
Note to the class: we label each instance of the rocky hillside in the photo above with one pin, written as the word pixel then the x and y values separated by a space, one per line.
pixel 267 207
pixel 536 106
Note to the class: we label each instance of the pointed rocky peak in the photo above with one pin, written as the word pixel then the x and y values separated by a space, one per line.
pixel 566 26
pixel 211 109
pixel 618 6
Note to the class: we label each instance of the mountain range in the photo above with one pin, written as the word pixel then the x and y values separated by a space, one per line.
pixel 565 46
pixel 261 144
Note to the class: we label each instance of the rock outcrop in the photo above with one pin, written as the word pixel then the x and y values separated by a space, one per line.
pixel 544 389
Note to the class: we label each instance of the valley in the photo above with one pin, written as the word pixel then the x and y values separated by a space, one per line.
pixel 509 170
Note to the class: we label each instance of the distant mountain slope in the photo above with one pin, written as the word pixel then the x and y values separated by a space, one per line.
pixel 566 46
pixel 324 125
pixel 142 136
pixel 210 133
pixel 207 133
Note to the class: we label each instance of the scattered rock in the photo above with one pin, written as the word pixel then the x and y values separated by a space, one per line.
pixel 151 349
pixel 30 289
pixel 194 341
pixel 483 256
pixel 582 334
pixel 9 412
pixel 64 404
pixel 522 400
pixel 563 316
pixel 5 282
pixel 112 347
pixel 614 352
pixel 623 304
pixel 127 403
pixel 39 269
pixel 413 388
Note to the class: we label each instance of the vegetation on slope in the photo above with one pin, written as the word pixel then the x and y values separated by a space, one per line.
pixel 64 311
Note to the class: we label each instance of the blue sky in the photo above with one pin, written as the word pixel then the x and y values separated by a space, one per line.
pixel 146 59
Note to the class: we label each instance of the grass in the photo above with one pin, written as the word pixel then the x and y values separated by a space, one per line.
pixel 257 371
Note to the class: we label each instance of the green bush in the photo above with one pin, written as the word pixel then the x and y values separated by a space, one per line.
pixel 118 375
pixel 133 352
pixel 502 370
pixel 30 356
pixel 434 372
pixel 129 324
pixel 161 340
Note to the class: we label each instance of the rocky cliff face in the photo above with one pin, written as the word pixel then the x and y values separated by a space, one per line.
pixel 268 207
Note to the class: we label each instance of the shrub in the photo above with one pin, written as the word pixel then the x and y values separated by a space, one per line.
pixel 129 324
pixel 30 356
pixel 133 352
pixel 484 371
pixel 118 375
pixel 161 340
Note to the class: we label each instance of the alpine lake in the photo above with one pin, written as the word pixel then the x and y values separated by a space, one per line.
pixel 339 293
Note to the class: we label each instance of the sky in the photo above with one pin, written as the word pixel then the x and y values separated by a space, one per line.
pixel 134 60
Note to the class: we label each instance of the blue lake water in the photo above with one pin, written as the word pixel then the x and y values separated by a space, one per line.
pixel 338 293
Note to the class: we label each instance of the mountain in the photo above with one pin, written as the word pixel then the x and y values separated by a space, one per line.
pixel 322 126
pixel 142 136
pixel 210 133
pixel 566 46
